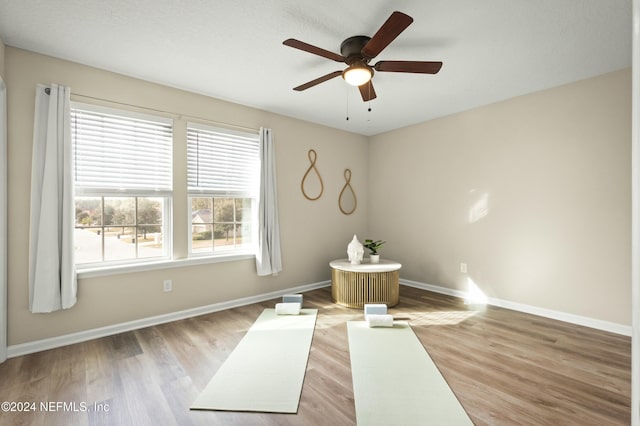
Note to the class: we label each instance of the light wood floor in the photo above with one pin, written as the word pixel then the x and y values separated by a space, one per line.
pixel 506 368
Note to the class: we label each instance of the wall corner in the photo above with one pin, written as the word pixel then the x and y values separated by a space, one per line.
pixel 2 55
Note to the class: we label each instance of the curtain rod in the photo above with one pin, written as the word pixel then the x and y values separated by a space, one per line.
pixel 47 90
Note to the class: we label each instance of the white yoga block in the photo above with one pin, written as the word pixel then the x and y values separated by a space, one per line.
pixel 375 309
pixel 289 308
pixel 377 320
pixel 292 298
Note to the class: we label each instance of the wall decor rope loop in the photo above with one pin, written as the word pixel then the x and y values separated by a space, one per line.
pixel 347 206
pixel 312 158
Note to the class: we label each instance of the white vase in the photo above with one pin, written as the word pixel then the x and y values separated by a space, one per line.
pixel 355 251
pixel 374 258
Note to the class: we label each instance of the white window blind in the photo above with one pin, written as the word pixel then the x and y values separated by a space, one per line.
pixel 222 162
pixel 116 151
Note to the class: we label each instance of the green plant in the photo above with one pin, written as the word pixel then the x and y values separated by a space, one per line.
pixel 373 246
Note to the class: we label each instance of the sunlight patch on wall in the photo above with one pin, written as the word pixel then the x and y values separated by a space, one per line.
pixel 475 295
pixel 480 208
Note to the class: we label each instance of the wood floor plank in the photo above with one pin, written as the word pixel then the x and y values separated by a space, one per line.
pixel 505 367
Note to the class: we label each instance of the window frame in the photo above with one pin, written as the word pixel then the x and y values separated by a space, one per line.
pixel 166 196
pixel 248 248
pixel 245 250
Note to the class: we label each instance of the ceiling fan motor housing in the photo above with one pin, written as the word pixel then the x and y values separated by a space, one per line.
pixel 351 49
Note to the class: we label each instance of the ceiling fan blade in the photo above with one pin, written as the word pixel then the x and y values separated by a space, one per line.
pixel 420 67
pixel 396 24
pixel 367 91
pixel 297 44
pixel 317 81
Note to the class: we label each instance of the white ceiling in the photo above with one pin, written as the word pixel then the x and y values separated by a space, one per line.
pixel 232 49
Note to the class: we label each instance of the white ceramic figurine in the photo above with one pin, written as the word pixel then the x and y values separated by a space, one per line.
pixel 355 251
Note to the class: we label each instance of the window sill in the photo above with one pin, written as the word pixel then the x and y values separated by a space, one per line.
pixel 163 264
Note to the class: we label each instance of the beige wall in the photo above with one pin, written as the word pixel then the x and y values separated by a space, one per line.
pixel 312 233
pixel 532 193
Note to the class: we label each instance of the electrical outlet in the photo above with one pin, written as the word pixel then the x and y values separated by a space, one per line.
pixel 463 268
pixel 167 285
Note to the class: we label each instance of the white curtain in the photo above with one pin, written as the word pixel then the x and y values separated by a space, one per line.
pixel 52 276
pixel 3 221
pixel 268 257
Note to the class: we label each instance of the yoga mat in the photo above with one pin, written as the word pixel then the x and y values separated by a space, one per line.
pixel 266 370
pixel 395 382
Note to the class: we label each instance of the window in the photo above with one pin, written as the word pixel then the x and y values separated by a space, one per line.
pixel 123 182
pixel 223 177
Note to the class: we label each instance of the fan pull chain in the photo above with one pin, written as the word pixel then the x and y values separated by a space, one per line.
pixel 347 97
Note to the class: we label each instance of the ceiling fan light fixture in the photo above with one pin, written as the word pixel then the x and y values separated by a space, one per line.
pixel 357 74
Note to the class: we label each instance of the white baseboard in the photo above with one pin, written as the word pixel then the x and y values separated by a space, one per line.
pixel 434 288
pixel 82 336
pixel 542 312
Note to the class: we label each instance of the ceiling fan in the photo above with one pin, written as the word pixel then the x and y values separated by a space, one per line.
pixel 357 51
